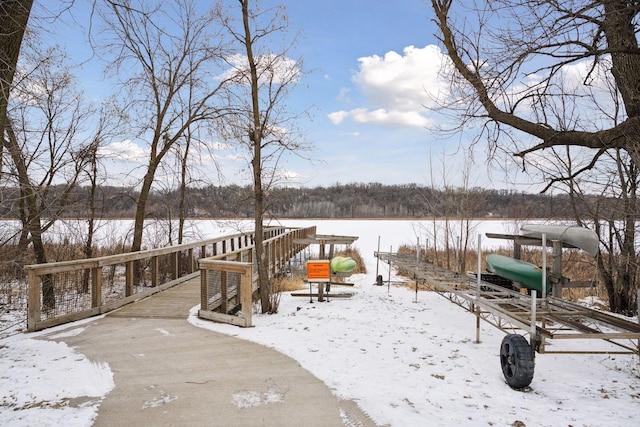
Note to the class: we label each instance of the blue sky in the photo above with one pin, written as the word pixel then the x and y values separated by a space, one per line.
pixel 371 65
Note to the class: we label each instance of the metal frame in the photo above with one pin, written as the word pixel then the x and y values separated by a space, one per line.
pixel 551 318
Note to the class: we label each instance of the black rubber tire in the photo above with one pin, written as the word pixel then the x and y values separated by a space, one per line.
pixel 516 360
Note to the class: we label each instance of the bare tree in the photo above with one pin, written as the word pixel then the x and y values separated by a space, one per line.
pixel 94 175
pixel 512 61
pixel 544 37
pixel 46 115
pixel 263 78
pixel 161 51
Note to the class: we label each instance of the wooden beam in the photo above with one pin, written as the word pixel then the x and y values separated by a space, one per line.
pixel 96 287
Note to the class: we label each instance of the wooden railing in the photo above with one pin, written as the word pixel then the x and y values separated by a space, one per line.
pixel 229 281
pixel 62 292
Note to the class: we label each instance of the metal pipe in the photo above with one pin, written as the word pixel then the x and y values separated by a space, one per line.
pixel 417 264
pixel 479 280
pixel 389 282
pixel 544 266
pixel 532 331
pixel 479 265
pixel 378 258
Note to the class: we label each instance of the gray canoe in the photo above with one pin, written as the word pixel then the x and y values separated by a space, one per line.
pixel 580 237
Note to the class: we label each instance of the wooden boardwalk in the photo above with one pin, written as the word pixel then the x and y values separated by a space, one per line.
pixel 174 303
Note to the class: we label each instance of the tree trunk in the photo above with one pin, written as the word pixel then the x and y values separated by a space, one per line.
pixel 183 188
pixel 141 209
pixel 255 136
pixel 138 226
pixel 14 15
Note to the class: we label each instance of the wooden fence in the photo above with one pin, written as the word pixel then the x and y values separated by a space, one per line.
pixel 63 292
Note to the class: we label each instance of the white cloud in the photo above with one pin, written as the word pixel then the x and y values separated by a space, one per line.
pixel 124 150
pixel 399 88
pixel 289 176
pixel 237 157
pixel 343 96
pixel 338 117
pixel 393 118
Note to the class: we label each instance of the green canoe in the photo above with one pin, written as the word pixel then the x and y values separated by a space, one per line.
pixel 523 272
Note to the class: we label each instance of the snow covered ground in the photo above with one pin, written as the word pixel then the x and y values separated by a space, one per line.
pixel 406 362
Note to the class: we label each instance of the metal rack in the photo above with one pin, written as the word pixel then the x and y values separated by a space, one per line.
pixel 545 319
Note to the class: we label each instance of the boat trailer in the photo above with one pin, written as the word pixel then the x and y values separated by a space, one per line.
pixel 543 319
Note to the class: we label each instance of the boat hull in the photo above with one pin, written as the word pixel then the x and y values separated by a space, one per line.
pixel 529 275
pixel 579 237
pixel 342 264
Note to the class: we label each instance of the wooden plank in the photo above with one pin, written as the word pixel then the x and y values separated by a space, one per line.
pixel 224 318
pixel 214 303
pixel 246 297
pixel 307 294
pixel 129 276
pixel 33 304
pixel 232 266
pixel 191 266
pixel 334 283
pixel 223 292
pixel 175 265
pixel 96 287
pixel 204 297
pixel 154 271
pixel 61 267
pixel 59 320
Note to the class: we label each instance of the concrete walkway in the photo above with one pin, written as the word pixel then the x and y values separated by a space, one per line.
pixel 170 373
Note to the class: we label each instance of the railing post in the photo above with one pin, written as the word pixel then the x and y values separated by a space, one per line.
pixel 154 271
pixel 96 287
pixel 129 273
pixel 175 265
pixel 191 262
pixel 246 295
pixel 33 302
pixel 204 289
pixel 223 291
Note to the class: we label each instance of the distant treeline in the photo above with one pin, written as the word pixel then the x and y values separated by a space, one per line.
pixel 336 201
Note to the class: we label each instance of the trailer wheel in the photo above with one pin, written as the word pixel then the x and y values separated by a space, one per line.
pixel 516 359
